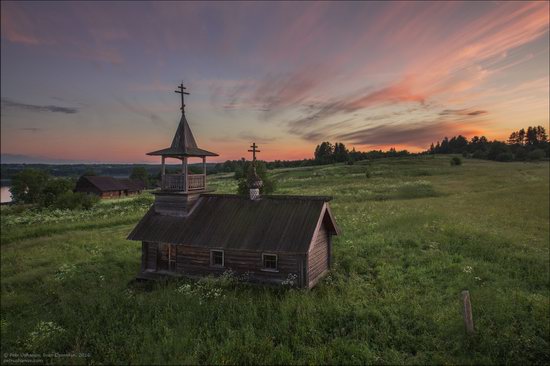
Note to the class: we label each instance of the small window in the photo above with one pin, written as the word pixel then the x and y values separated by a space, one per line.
pixel 270 262
pixel 216 258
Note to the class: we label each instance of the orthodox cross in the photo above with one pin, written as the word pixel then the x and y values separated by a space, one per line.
pixel 181 91
pixel 254 151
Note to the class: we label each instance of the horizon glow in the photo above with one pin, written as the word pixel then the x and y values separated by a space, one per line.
pixel 95 81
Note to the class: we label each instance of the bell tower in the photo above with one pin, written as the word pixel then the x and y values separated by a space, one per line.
pixel 179 190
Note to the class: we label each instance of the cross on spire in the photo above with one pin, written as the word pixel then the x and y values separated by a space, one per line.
pixel 181 91
pixel 254 150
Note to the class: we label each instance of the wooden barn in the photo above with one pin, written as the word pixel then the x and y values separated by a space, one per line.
pixel 109 187
pixel 190 231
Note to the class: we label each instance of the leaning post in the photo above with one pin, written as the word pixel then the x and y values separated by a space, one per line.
pixel 467 312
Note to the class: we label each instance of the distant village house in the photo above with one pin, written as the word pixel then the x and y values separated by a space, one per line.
pixel 109 187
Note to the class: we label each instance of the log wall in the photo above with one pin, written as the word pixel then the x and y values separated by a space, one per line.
pixel 151 256
pixel 195 261
pixel 318 256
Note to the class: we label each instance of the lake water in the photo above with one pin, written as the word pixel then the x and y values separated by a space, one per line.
pixel 6 195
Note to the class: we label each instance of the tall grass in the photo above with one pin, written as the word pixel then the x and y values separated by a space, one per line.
pixel 392 297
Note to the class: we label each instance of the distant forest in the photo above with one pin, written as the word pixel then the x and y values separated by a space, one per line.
pixel 522 145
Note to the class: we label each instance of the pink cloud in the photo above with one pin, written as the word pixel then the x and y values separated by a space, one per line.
pixel 16 27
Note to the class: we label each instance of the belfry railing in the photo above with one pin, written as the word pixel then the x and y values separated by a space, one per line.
pixel 176 182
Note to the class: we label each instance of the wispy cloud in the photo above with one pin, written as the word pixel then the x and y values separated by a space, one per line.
pixel 8 103
pixel 16 27
pixel 415 135
pixel 462 112
pixel 255 138
pixel 313 70
pixel 141 111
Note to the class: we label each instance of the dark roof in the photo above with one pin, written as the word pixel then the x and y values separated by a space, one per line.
pixel 106 184
pixel 133 184
pixel 272 223
pixel 184 143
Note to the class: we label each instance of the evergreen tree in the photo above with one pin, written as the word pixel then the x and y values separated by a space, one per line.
pixel 531 136
pixel 340 152
pixel 445 149
pixel 521 137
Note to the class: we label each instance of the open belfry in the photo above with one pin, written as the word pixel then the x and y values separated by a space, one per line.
pixel 192 232
pixel 180 190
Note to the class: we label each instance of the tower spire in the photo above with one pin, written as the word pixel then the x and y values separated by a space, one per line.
pixel 254 181
pixel 182 92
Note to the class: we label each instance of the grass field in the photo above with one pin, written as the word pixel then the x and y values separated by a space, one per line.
pixel 416 232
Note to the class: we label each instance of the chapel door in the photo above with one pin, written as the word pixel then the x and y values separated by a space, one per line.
pixel 166 257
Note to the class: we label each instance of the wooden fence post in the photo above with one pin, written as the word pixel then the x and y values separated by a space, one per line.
pixel 467 312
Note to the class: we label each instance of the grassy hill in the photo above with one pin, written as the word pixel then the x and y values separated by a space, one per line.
pixel 416 232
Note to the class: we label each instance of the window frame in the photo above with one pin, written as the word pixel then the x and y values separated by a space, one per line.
pixel 212 264
pixel 266 269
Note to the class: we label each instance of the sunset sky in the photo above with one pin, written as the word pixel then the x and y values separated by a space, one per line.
pixel 95 81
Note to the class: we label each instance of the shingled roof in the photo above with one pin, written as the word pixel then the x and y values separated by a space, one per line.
pixel 272 223
pixel 106 184
pixel 184 143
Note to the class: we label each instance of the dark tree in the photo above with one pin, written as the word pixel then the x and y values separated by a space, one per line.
pixel 340 152
pixel 89 172
pixel 541 134
pixel 497 150
pixel 324 153
pixel 458 144
pixel 27 186
pixel 521 137
pixel 53 188
pixel 140 173
pixel 531 136
pixel 445 148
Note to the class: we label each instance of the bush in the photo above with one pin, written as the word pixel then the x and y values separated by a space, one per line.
pixel 479 154
pixel 418 189
pixel 268 185
pixel 73 201
pixel 67 200
pixel 504 156
pixel 53 188
pixel 536 154
pixel 520 154
pixel 497 148
pixel 89 201
pixel 456 161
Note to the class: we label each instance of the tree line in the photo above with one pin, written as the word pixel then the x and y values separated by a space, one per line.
pixel 324 153
pixel 522 145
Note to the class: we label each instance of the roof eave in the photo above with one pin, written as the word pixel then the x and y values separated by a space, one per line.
pixel 163 152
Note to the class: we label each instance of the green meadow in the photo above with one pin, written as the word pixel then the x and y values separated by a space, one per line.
pixel 416 232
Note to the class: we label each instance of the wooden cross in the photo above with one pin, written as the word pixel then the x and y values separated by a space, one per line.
pixel 181 91
pixel 254 150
